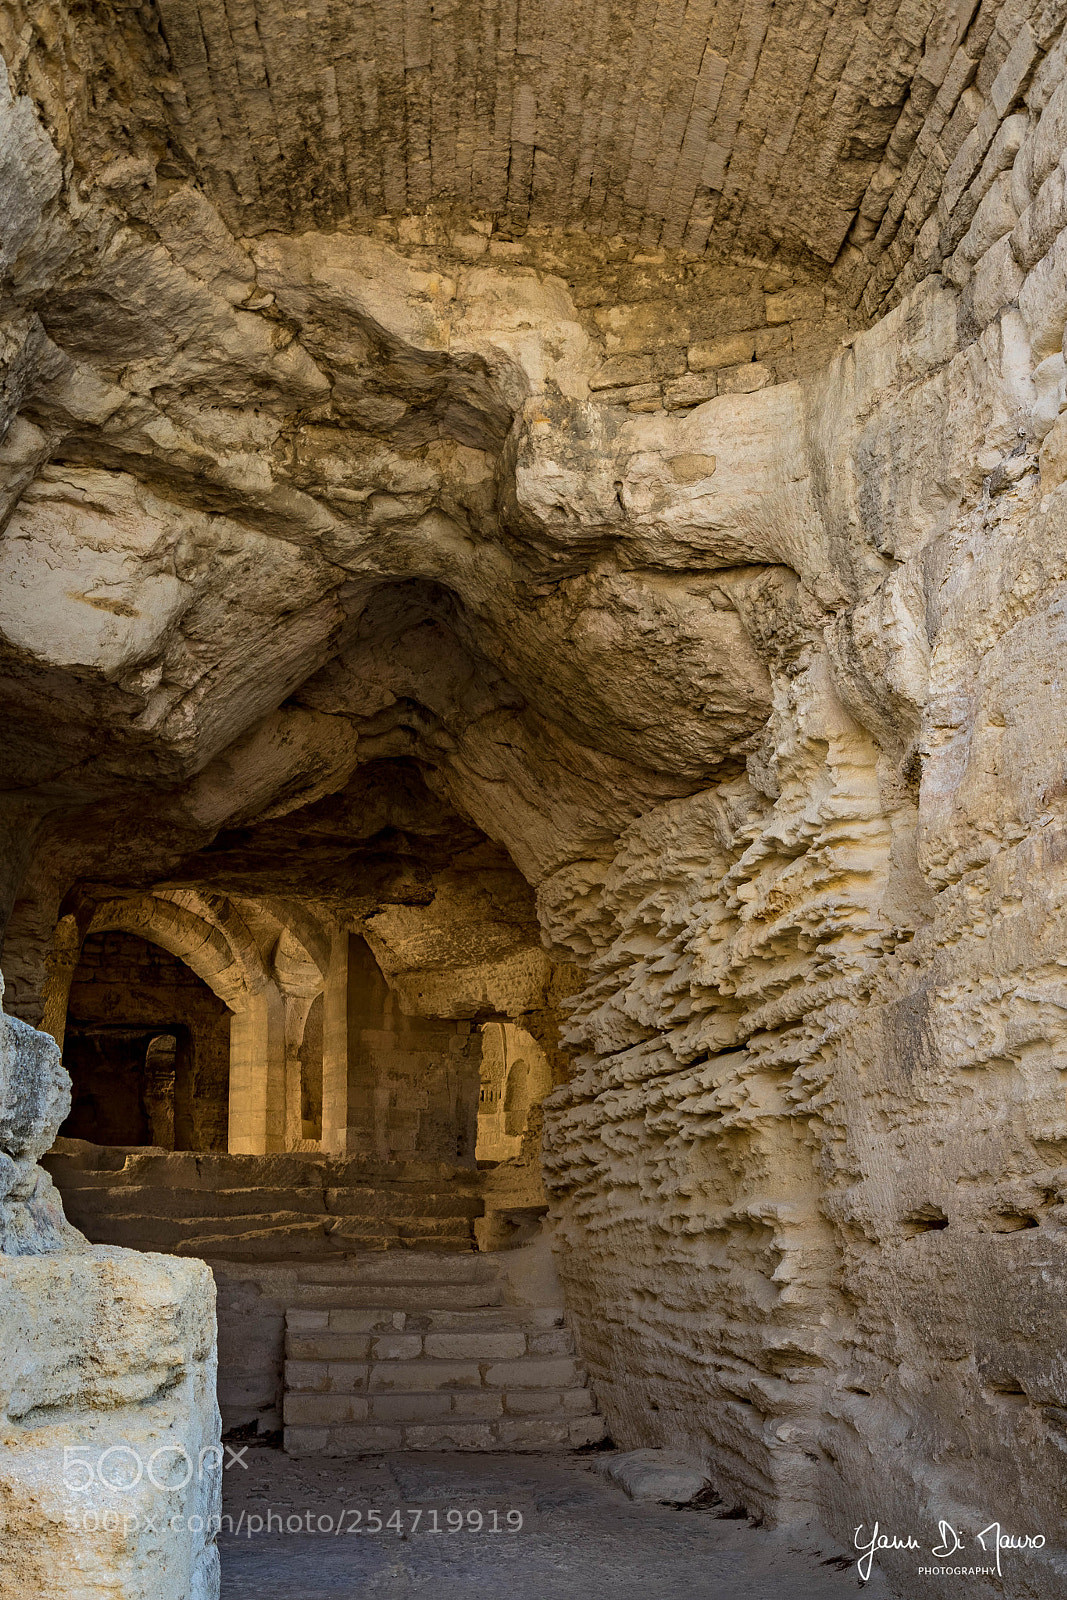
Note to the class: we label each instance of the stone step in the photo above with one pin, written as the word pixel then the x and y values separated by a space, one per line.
pixel 284 1236
pixel 454 1227
pixel 412 1297
pixel 403 1363
pixel 145 1200
pixel 176 1234
pixel 402 1270
pixel 334 1410
pixel 181 1226
pixel 342 1364
pixel 415 1202
pixel 342 1338
pixel 379 1319
pixel 265 1246
pixel 282 1245
pixel 172 1201
pixel 504 1433
pixel 124 1227
pixel 107 1166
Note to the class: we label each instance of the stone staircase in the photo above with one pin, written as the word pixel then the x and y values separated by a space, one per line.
pixel 352 1304
pixel 421 1353
pixel 262 1208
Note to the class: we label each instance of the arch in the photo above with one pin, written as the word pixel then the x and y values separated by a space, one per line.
pixel 295 971
pixel 270 999
pixel 220 912
pixel 304 927
pixel 147 1046
pixel 516 1076
pixel 232 970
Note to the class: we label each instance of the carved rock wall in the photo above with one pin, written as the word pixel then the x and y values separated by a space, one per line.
pixel 815 1141
pixel 343 557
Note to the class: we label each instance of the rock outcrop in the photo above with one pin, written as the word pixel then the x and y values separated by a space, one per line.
pixel 567 613
pixel 110 1462
pixel 34 1099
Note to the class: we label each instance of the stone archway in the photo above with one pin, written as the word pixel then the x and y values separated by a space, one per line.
pixel 515 1077
pixel 127 996
pixel 266 992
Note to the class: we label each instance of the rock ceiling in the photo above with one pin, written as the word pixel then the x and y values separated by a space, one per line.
pixel 355 361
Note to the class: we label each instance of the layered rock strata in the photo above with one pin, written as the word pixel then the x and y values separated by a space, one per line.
pixel 342 541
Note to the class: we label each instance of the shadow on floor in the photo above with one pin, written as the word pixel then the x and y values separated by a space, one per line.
pixel 494 1527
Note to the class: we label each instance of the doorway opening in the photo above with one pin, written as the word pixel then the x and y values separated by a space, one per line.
pixel 147 1046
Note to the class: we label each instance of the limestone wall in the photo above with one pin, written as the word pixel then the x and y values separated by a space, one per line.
pixel 110 1462
pixel 359 567
pixel 815 1143
pixel 413 1081
pixel 109 1361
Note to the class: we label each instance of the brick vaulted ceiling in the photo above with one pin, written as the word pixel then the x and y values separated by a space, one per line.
pixel 735 125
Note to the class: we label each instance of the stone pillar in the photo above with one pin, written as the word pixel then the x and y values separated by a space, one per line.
pixel 412 1080
pixel 61 965
pixel 257 1075
pixel 296 1009
pixel 371 1055
pixel 116 1352
pixel 335 1050
pixel 185 1064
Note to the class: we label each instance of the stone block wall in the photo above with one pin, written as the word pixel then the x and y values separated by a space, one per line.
pixel 951 188
pixel 412 1081
pixel 125 993
pixel 669 336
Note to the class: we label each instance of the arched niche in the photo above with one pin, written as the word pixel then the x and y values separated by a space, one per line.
pixel 147 1046
pixel 515 1077
pixel 311 1065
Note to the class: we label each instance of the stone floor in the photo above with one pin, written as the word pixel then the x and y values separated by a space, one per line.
pixel 579 1536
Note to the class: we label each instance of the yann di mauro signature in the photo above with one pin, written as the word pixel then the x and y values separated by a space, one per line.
pixel 993 1541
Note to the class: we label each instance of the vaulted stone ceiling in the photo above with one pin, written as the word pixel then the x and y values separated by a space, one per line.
pixel 665 122
pixel 696 124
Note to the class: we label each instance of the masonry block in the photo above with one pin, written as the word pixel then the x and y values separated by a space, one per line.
pixel 560 1373
pixel 423 1376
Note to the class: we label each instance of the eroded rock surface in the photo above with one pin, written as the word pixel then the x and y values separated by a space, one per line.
pixel 425 569
pixel 110 1466
pixel 34 1099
